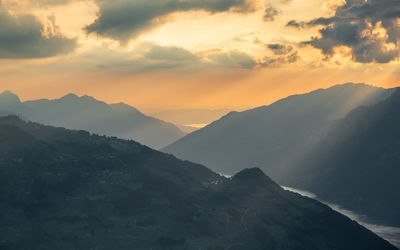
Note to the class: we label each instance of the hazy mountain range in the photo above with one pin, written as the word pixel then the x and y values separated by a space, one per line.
pixel 64 189
pixel 291 140
pixel 87 113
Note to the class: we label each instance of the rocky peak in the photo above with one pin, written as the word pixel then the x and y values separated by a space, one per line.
pixel 255 177
pixel 70 97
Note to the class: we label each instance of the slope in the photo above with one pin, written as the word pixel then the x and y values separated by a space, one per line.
pixel 272 137
pixel 357 163
pixel 73 190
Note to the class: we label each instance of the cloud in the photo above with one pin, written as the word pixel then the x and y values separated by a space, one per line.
pixel 171 53
pixel 123 20
pixel 152 57
pixel 50 2
pixel 280 60
pixel 296 24
pixel 233 59
pixel 29 4
pixel 24 36
pixel 280 49
pixel 371 29
pixel 281 54
pixel 145 57
pixel 270 13
pixel 148 56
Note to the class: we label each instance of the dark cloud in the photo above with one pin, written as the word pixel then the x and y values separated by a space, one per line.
pixel 270 13
pixel 22 37
pixel 280 49
pixel 296 24
pixel 282 59
pixel 371 29
pixel 150 57
pixel 318 21
pixel 126 19
pixel 281 54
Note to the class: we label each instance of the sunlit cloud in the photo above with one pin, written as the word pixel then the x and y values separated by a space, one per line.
pixel 24 36
pixel 369 28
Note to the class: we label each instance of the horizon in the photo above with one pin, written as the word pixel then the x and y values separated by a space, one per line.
pixel 156 110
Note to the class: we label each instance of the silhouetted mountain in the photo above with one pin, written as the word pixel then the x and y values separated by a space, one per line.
pixel 272 137
pixel 64 189
pixel 87 113
pixel 357 162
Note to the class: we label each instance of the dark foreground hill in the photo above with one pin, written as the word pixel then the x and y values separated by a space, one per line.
pixel 63 189
pixel 89 114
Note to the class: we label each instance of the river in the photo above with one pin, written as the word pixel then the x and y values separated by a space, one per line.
pixel 391 234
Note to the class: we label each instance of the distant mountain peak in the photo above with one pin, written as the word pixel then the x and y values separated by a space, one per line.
pixel 9 97
pixel 70 96
pixel 353 84
pixel 85 99
pixel 7 92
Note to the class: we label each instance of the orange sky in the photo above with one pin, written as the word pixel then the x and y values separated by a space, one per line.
pixel 192 58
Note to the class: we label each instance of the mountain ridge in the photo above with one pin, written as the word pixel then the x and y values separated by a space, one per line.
pixel 248 132
pixel 85 112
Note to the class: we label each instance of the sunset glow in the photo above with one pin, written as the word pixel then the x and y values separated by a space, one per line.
pixel 245 54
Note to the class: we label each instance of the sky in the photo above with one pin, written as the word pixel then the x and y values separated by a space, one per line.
pixel 174 54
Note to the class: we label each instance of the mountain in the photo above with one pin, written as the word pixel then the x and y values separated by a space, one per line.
pixel 272 137
pixel 357 163
pixel 301 142
pixel 11 104
pixel 64 189
pixel 87 113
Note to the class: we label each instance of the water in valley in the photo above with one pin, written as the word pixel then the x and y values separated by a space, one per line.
pixel 391 234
